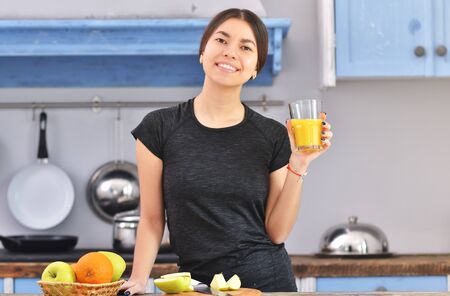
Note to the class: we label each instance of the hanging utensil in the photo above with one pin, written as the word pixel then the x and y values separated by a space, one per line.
pixel 41 195
pixel 114 186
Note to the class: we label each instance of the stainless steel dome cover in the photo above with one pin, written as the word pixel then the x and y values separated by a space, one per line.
pixel 354 239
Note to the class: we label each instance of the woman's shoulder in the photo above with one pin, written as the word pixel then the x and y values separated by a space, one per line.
pixel 168 116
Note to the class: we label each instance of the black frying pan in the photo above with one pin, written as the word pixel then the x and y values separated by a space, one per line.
pixel 39 243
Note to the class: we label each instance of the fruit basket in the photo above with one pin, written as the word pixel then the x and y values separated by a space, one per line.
pixel 68 289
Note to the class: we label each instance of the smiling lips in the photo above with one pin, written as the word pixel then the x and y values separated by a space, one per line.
pixel 227 67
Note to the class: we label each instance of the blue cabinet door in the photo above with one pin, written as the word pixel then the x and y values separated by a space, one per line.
pixel 379 38
pixel 386 283
pixel 27 286
pixel 442 37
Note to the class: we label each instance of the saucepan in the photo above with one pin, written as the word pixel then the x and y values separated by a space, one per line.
pixel 125 229
pixel 41 195
pixel 114 186
pixel 39 243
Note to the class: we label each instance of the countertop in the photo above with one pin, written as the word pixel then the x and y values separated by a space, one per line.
pixel 318 294
pixel 22 265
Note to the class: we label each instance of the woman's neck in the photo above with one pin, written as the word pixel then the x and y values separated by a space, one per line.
pixel 219 106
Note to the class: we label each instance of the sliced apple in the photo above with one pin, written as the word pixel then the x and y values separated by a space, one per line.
pixel 173 285
pixel 189 289
pixel 219 283
pixel 177 274
pixel 234 283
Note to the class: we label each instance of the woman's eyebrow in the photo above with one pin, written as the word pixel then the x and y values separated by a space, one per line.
pixel 242 40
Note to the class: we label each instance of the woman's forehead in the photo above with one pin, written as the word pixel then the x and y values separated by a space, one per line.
pixel 236 28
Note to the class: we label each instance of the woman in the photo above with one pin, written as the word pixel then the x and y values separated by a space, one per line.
pixel 219 171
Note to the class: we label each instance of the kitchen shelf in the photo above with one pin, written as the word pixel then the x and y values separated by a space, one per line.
pixel 122 52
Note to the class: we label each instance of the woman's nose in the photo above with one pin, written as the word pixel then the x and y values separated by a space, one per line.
pixel 229 54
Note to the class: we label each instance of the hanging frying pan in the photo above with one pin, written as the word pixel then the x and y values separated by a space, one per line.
pixel 41 195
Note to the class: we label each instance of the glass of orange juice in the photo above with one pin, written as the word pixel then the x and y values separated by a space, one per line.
pixel 306 124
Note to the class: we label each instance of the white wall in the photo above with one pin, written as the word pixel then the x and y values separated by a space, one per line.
pixel 388 163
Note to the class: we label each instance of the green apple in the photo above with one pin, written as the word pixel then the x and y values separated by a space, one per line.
pixel 58 271
pixel 118 264
pixel 234 283
pixel 219 283
pixel 173 284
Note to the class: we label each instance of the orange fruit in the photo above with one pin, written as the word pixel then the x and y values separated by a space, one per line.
pixel 93 268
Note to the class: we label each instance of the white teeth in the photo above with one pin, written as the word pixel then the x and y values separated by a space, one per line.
pixel 227 67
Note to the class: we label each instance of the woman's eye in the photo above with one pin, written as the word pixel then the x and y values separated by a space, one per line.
pixel 220 40
pixel 246 48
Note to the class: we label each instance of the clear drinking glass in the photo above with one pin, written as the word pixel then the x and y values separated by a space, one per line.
pixel 306 124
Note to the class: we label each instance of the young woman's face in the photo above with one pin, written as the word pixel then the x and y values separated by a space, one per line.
pixel 230 56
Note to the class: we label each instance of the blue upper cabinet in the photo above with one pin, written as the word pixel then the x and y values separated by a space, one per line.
pixel 114 53
pixel 442 38
pixel 385 38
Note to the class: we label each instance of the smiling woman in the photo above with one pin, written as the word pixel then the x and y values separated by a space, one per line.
pixel 218 170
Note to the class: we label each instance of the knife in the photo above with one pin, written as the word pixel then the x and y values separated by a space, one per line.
pixel 205 289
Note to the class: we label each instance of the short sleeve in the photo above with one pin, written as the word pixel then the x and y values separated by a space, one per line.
pixel 281 150
pixel 150 133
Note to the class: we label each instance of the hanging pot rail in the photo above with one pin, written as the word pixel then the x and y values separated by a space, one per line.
pixel 96 104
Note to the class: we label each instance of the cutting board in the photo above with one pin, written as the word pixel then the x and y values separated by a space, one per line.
pixel 240 292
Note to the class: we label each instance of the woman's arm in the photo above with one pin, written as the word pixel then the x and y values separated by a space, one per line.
pixel 152 220
pixel 283 202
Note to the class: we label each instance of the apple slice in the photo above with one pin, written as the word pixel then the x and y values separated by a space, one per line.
pixel 219 283
pixel 234 283
pixel 173 285
pixel 177 274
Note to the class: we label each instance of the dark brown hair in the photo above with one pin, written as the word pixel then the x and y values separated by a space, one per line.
pixel 257 26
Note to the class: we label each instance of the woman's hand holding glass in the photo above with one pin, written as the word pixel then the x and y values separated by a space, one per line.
pixel 301 158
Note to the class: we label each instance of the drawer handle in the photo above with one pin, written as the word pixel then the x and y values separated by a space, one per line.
pixel 419 51
pixel 380 289
pixel 441 50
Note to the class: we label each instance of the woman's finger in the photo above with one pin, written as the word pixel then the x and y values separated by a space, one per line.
pixel 323 115
pixel 135 289
pixel 126 285
pixel 326 135
pixel 326 126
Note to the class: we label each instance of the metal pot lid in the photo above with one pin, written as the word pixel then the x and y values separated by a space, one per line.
pixel 128 216
pixel 354 238
pixel 113 188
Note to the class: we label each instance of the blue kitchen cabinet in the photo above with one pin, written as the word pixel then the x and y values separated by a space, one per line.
pixel 1 286
pixel 385 283
pixel 442 38
pixel 27 286
pixel 394 38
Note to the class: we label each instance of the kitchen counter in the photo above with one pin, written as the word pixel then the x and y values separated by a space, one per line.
pixel 31 265
pixel 21 265
pixel 318 294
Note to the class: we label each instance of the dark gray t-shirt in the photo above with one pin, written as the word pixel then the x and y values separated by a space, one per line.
pixel 215 188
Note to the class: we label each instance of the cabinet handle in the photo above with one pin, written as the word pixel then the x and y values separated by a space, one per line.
pixel 380 289
pixel 441 50
pixel 419 51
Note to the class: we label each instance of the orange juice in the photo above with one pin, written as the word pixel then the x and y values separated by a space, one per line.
pixel 307 133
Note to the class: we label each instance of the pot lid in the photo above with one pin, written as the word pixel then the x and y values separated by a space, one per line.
pixel 354 238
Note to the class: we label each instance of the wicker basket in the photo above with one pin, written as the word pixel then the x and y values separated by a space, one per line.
pixel 68 289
